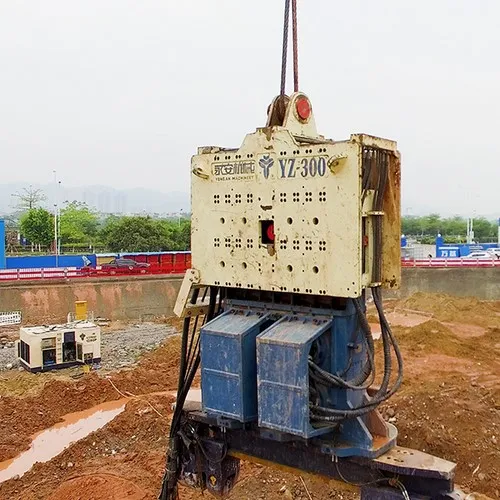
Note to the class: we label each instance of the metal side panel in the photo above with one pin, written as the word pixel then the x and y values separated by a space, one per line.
pixel 228 364
pixel 283 388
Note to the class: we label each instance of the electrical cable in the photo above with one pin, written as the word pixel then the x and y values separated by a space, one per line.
pixel 392 481
pixel 366 373
pixel 385 391
pixel 211 460
pixel 320 413
pixel 185 330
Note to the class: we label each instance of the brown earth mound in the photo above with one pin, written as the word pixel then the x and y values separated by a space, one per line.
pixel 433 336
pixel 98 486
pixel 448 406
pixel 459 309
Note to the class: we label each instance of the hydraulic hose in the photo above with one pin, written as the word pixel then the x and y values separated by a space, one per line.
pixel 332 415
pixel 190 361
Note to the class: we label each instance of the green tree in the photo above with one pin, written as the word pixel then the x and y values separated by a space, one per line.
pixel 178 234
pixel 79 224
pixel 184 235
pixel 134 234
pixel 453 229
pixel 411 225
pixel 37 225
pixel 484 230
pixel 454 226
pixel 431 224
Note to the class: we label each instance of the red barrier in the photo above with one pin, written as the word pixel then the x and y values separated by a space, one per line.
pixel 89 272
pixel 35 274
pixel 463 262
pixel 178 263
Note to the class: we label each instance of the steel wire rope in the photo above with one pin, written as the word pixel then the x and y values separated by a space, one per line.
pixel 284 53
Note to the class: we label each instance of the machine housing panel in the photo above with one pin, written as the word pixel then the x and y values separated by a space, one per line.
pixel 281 214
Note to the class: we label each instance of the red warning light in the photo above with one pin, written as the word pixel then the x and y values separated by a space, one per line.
pixel 270 232
pixel 303 107
pixel 267 232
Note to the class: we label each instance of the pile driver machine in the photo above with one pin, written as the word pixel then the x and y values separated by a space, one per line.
pixel 290 233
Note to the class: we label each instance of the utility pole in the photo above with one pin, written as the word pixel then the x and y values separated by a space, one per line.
pixel 59 217
pixel 470 230
pixel 56 226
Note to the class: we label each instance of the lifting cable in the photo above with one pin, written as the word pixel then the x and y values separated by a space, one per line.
pixel 295 47
pixel 284 53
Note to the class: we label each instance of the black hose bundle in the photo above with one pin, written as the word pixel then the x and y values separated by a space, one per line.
pixel 189 363
pixel 322 414
pixel 379 159
pixel 368 371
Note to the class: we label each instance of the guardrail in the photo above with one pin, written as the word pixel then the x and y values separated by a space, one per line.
pixel 181 267
pixel 10 318
pixel 38 273
pixel 88 272
pixel 460 262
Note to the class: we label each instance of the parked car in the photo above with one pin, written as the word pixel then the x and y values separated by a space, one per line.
pixel 495 252
pixel 129 264
pixel 479 256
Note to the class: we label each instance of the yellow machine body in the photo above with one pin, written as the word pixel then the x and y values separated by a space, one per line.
pixel 309 191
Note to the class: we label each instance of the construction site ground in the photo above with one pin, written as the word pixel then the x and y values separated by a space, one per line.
pixel 449 406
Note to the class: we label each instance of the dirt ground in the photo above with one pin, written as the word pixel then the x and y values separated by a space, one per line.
pixel 449 405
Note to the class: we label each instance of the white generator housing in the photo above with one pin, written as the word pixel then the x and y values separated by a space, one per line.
pixel 42 348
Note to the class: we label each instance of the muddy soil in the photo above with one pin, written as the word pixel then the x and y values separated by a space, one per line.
pixel 449 405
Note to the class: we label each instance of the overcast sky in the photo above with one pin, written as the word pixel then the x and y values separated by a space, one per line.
pixel 122 92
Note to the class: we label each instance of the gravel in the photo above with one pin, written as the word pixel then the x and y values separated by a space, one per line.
pixel 119 349
pixel 122 348
pixel 8 357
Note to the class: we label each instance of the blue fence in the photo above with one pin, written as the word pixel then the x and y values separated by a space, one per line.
pixel 2 244
pixel 45 261
pixel 444 250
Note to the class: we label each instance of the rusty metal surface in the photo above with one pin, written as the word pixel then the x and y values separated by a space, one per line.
pixel 423 475
pixel 293 330
pixel 427 465
pixel 309 192
pixel 391 229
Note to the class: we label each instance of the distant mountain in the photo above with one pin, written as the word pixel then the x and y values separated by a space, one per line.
pixel 105 199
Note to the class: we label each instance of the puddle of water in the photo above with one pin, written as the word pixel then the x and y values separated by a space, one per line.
pixel 50 442
pixel 376 332
pixel 193 396
pixel 466 331
pixel 395 318
pixel 407 319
